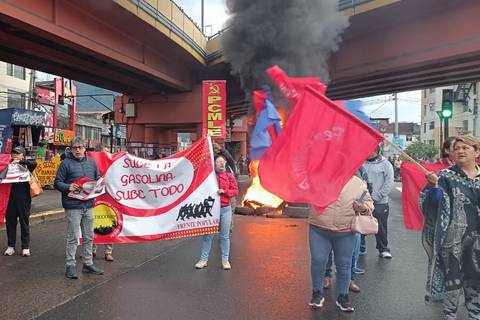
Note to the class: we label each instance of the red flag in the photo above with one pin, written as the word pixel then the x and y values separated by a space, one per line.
pixel 4 188
pixel 320 148
pixel 413 181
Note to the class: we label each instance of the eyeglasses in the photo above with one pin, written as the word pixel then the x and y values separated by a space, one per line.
pixel 77 147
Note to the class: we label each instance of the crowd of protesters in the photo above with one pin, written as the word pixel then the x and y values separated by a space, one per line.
pixel 449 202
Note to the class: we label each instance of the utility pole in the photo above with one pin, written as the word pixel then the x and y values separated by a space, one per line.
pixel 203 16
pixel 31 89
pixel 396 114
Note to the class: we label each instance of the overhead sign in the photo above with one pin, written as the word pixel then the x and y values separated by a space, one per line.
pixel 214 109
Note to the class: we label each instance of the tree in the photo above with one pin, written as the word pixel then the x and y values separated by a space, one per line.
pixel 421 151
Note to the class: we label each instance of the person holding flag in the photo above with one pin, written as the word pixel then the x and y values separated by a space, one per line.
pixel 19 204
pixel 451 233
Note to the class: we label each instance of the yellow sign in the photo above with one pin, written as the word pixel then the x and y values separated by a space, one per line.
pixel 46 171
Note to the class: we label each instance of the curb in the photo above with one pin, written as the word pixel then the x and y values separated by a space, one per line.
pixel 44 214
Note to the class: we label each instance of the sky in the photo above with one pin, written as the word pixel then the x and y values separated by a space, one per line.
pixel 215 13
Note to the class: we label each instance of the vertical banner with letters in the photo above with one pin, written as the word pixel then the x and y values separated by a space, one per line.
pixel 214 108
pixel 148 200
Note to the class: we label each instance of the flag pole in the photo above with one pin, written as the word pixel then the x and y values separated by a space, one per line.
pixel 407 156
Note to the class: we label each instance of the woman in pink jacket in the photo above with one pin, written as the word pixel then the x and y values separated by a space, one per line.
pixel 227 189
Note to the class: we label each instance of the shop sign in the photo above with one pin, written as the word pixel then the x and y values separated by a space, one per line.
pixel 214 109
pixel 46 171
pixel 63 137
pixel 28 118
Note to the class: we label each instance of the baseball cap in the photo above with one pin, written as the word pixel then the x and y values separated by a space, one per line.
pixel 19 150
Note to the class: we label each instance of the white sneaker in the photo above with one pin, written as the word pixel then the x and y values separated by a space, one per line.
pixel 9 252
pixel 25 252
pixel 201 264
pixel 386 255
pixel 226 265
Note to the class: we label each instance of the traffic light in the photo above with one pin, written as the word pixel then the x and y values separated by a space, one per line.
pixel 447 104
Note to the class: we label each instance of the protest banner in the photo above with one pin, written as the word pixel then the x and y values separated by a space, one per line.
pixel 214 109
pixel 149 200
pixel 16 173
pixel 46 171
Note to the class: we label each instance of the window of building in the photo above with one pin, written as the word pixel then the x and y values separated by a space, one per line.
pixel 15 99
pixel 425 127
pixel 465 125
pixel 474 88
pixel 425 109
pixel 432 125
pixel 432 90
pixel 425 94
pixel 408 137
pixel 16 71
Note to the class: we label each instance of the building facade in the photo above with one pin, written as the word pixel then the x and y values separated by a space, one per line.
pixel 465 113
pixel 15 85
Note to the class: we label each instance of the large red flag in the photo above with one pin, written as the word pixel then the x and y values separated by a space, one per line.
pixel 413 181
pixel 4 188
pixel 320 148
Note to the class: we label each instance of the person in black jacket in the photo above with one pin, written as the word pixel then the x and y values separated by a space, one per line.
pixel 19 204
pixel 79 213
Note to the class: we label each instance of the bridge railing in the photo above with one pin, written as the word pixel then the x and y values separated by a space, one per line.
pixel 170 19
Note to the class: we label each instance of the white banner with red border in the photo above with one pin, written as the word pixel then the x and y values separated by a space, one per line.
pixel 162 199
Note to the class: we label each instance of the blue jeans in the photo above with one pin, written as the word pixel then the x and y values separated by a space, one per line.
pixel 355 256
pixel 225 220
pixel 321 243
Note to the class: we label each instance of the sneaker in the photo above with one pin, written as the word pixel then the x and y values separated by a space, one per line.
pixel 317 300
pixel 108 257
pixel 326 283
pixel 363 253
pixel 71 272
pixel 201 264
pixel 9 252
pixel 25 252
pixel 357 270
pixel 385 255
pixel 226 265
pixel 354 287
pixel 343 303
pixel 91 269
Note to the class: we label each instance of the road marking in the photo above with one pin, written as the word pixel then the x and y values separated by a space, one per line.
pixel 399 188
pixel 44 214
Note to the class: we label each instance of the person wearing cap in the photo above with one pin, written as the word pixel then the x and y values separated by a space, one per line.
pixel 19 204
pixel 79 213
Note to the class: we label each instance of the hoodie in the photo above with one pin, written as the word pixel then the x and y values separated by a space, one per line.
pixel 380 177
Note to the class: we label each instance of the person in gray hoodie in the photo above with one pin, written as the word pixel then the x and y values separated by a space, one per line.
pixel 380 176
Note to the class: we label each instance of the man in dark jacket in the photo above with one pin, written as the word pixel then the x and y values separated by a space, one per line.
pixel 78 213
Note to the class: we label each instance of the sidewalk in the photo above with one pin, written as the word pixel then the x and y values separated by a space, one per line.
pixel 47 204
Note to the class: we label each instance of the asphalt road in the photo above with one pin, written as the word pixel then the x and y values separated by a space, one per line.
pixel 269 278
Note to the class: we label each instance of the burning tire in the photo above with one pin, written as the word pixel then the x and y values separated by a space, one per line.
pixel 244 211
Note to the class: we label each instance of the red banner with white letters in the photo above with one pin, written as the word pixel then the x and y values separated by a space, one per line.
pixel 162 199
pixel 4 188
pixel 214 103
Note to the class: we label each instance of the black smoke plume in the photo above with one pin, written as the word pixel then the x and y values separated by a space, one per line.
pixel 298 35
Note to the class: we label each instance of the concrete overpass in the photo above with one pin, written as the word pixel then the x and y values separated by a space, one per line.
pixel 153 53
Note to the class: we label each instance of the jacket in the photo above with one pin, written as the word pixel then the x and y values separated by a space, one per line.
pixel 20 192
pixel 380 176
pixel 227 182
pixel 338 216
pixel 70 170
